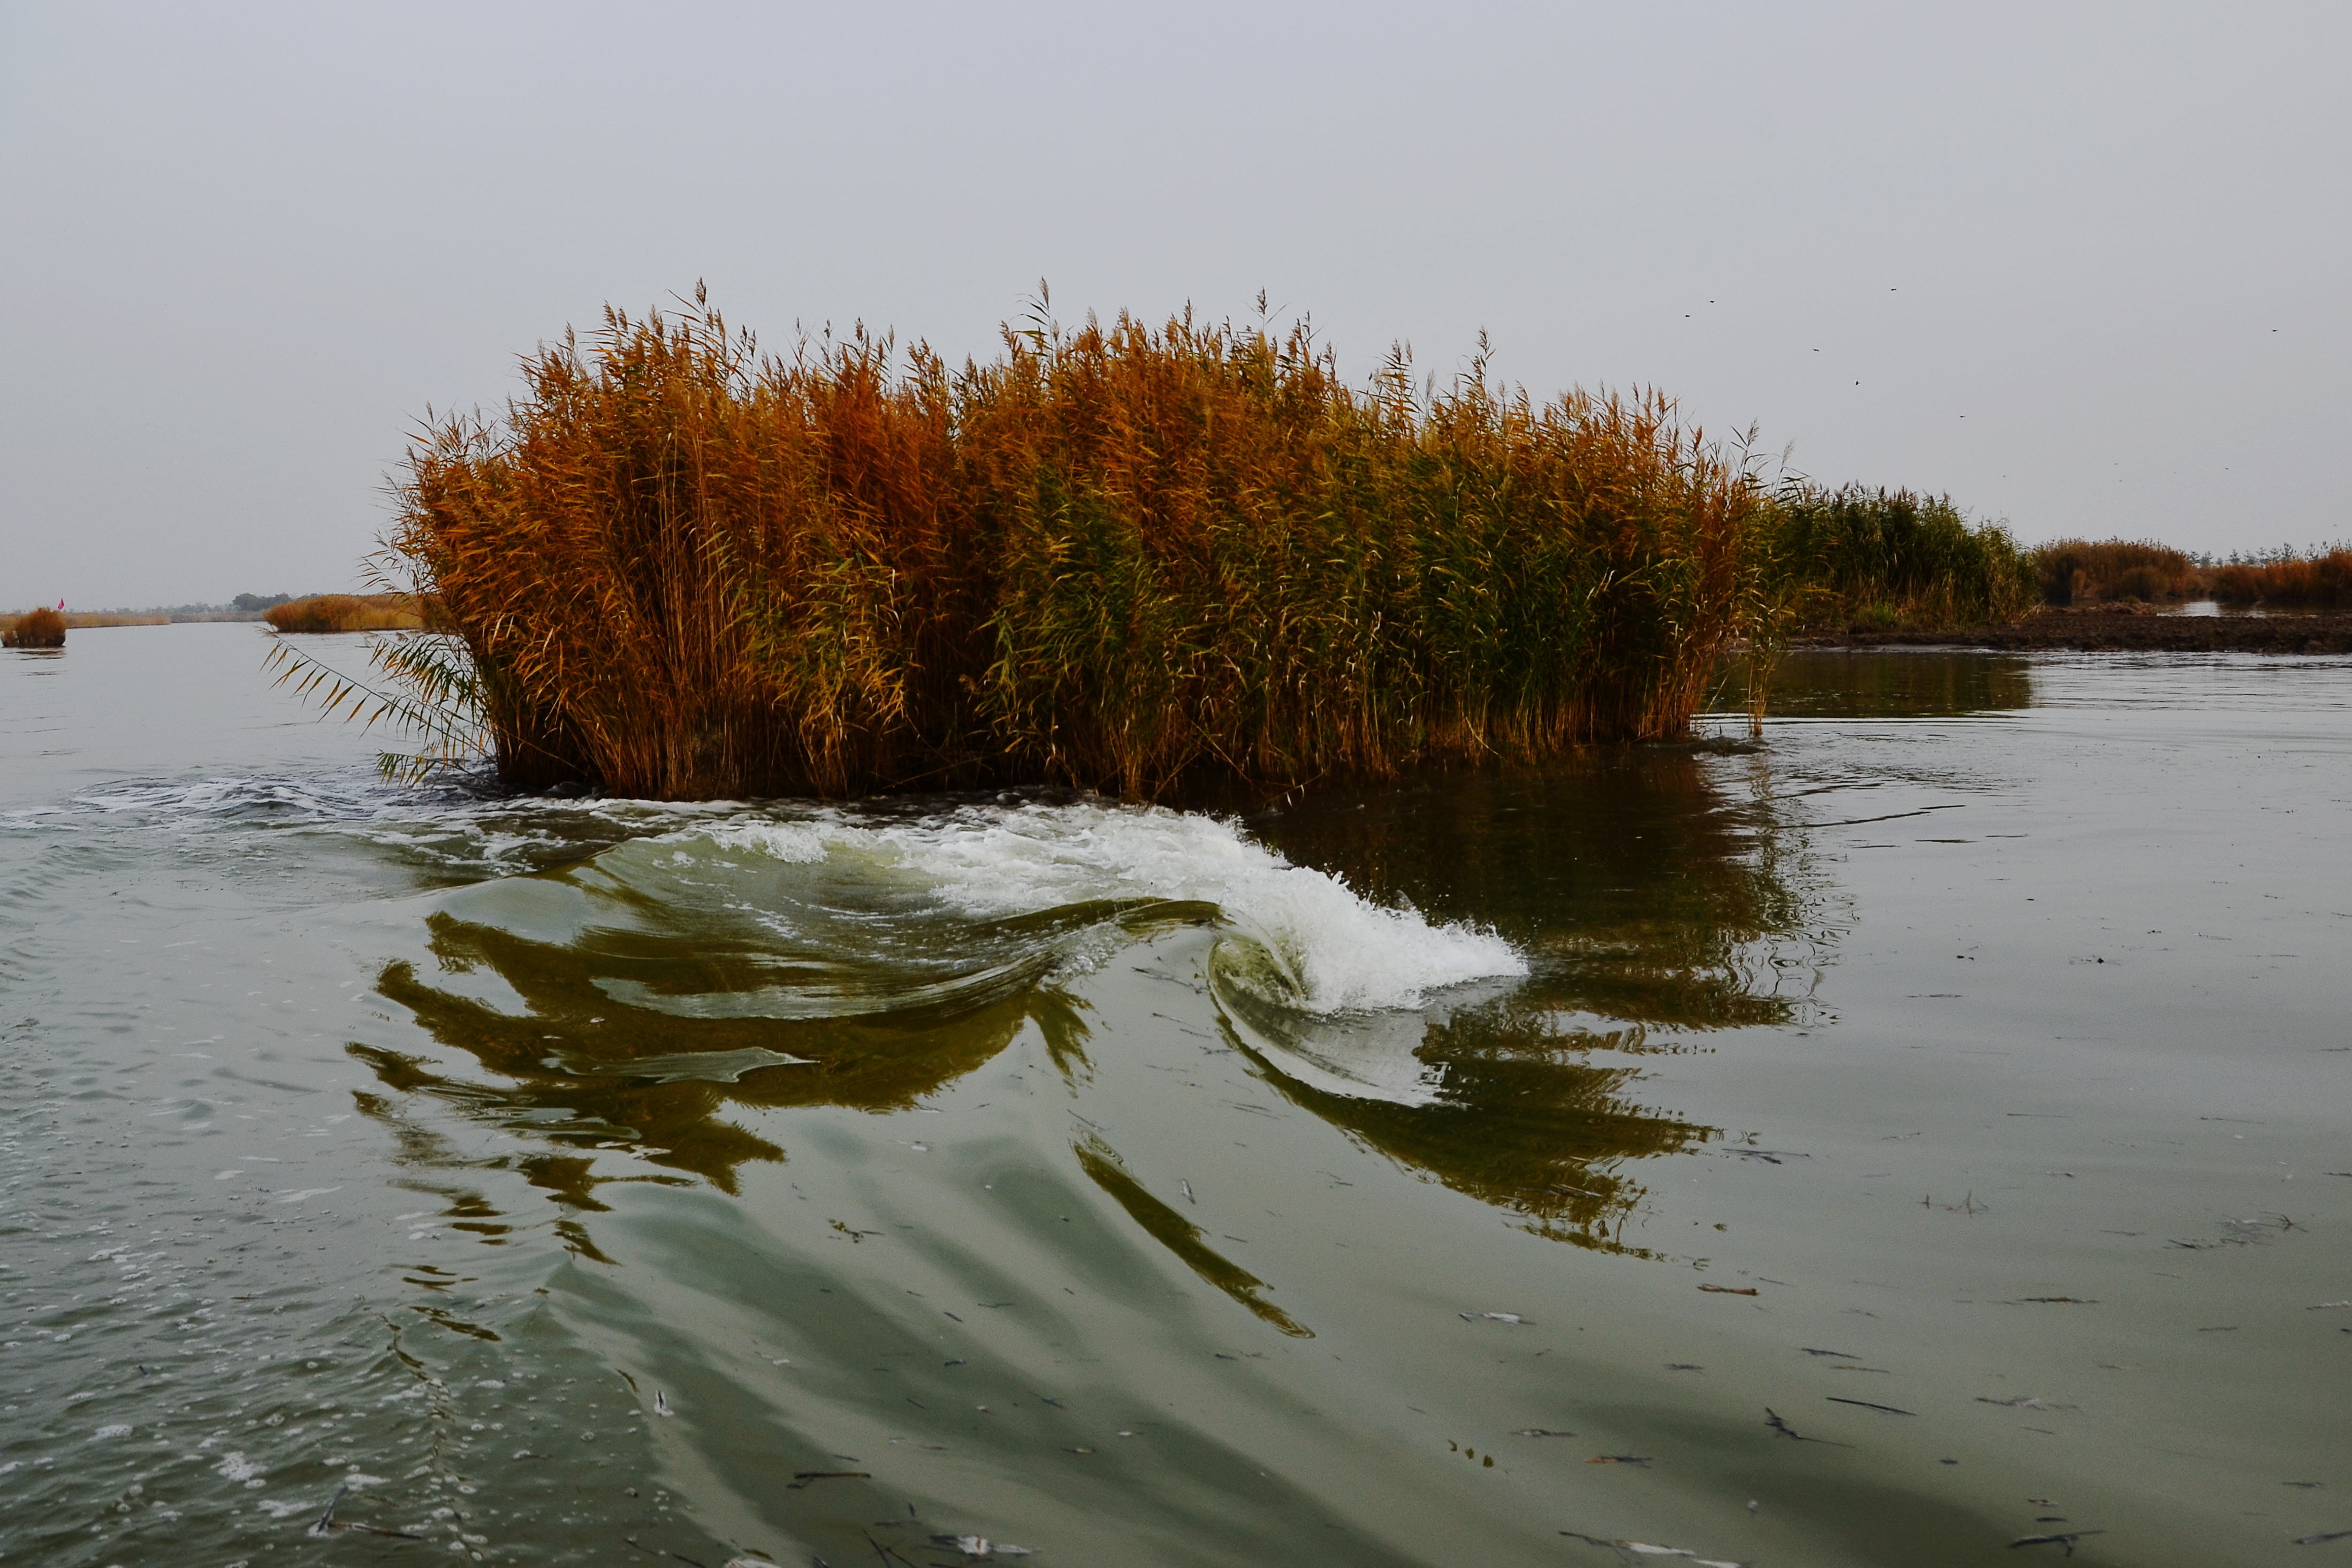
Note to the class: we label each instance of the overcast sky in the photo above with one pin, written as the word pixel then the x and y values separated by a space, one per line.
pixel 2083 268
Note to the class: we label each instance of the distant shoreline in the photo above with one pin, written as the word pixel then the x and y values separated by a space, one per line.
pixel 2121 631
pixel 84 620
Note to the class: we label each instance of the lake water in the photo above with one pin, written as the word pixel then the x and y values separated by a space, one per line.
pixel 1922 1132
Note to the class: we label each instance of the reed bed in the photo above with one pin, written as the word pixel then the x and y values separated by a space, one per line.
pixel 1120 556
pixel 2080 572
pixel 36 628
pixel 323 613
pixel 2320 578
pixel 1874 559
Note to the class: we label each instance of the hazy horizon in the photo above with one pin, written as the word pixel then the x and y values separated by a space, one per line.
pixel 2077 269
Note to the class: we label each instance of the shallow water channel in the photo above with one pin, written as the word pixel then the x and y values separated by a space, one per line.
pixel 1919 1134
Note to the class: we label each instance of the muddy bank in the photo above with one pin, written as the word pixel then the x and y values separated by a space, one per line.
pixel 2125 631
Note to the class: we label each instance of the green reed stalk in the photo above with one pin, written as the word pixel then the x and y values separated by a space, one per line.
pixel 1864 558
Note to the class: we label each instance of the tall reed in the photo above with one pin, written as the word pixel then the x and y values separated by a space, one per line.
pixel 1864 557
pixel 323 613
pixel 2078 571
pixel 2321 578
pixel 1116 557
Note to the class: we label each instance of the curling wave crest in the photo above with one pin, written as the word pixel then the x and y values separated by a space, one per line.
pixel 1337 952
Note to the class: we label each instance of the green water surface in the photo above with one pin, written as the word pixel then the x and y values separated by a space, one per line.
pixel 1921 1131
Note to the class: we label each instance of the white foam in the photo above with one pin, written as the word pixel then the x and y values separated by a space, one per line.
pixel 1343 951
pixel 795 843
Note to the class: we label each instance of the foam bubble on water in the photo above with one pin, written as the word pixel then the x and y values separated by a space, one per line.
pixel 1344 952
pixel 237 1468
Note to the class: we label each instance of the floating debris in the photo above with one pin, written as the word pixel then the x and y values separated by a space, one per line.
pixel 1772 1419
pixel 1731 1290
pixel 1770 1156
pixel 1644 1548
pixel 802 1477
pixel 1511 1318
pixel 326 1519
pixel 1540 1432
pixel 2327 1305
pixel 981 1546
pixel 1188 1191
pixel 1847 1354
pixel 2066 1540
pixel 2252 1232
pixel 2026 1402
pixel 2068 1300
pixel 1619 1459
pixel 327 1522
pixel 2315 1539
pixel 661 1403
pixel 1684 1366
pixel 1866 1405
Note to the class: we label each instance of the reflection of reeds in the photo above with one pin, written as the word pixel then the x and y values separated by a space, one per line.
pixel 2078 571
pixel 37 628
pixel 574 1068
pixel 1118 556
pixel 1179 1236
pixel 346 613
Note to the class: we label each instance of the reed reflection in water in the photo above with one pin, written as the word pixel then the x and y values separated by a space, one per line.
pixel 1888 683
pixel 658 999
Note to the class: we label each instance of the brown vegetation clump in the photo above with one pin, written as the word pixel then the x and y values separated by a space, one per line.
pixel 2323 579
pixel 347 613
pixel 2078 571
pixel 37 628
pixel 1117 557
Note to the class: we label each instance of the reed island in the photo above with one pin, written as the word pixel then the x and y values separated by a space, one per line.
pixel 1124 557
pixel 1118 556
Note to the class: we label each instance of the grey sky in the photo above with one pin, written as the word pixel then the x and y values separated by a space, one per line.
pixel 244 248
